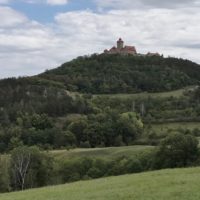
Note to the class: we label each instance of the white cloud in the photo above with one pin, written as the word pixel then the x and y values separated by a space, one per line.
pixel 10 17
pixel 136 4
pixel 28 47
pixel 157 29
pixel 57 2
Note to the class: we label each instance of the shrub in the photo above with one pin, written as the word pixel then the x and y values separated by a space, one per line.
pixel 177 150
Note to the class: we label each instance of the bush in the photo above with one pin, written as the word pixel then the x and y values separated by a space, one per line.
pixel 177 150
pixel 134 166
pixel 94 172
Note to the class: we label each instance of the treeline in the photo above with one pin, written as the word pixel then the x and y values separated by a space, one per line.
pixel 108 74
pixel 95 130
pixel 28 167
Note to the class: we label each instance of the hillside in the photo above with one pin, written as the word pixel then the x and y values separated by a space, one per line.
pixel 163 185
pixel 100 116
pixel 108 74
pixel 38 110
pixel 31 94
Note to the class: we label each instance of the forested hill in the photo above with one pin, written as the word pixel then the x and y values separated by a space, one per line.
pixel 99 74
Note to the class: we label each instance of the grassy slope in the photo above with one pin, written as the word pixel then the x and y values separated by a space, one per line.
pixel 175 93
pixel 175 184
pixel 175 126
pixel 109 153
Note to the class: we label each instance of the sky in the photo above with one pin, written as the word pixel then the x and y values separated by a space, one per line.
pixel 36 35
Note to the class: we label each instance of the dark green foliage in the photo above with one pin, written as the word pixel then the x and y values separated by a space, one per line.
pixel 129 126
pixel 124 74
pixel 155 109
pixel 87 168
pixel 23 95
pixel 177 150
pixel 29 112
pixel 107 129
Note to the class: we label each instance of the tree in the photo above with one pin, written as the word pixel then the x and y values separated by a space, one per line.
pixel 20 162
pixel 77 128
pixel 30 168
pixel 95 134
pixel 130 126
pixel 4 174
pixel 41 121
pixel 177 150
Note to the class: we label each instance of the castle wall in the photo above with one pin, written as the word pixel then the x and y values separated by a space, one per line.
pixel 120 44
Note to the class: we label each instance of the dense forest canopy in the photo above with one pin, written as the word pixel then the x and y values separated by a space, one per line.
pixel 99 74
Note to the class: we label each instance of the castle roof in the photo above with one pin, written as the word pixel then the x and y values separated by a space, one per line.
pixel 120 40
pixel 113 48
pixel 130 48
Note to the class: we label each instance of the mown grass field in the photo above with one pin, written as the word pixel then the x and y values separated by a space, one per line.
pixel 175 126
pixel 175 93
pixel 177 184
pixel 106 153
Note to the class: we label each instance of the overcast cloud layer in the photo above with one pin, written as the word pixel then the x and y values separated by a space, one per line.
pixel 28 47
pixel 136 4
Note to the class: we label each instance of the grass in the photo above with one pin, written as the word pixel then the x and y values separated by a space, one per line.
pixel 106 153
pixel 175 126
pixel 177 184
pixel 175 93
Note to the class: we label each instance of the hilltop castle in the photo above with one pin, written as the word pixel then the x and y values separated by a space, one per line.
pixel 126 50
pixel 121 49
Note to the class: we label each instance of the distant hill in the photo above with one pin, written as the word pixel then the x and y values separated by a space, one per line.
pixel 107 74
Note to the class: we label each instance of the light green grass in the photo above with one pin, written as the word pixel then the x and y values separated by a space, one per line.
pixel 107 153
pixel 175 126
pixel 178 184
pixel 175 93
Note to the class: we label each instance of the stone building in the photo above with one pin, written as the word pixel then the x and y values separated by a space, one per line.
pixel 121 49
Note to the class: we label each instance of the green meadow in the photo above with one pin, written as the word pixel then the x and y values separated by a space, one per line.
pixel 175 126
pixel 174 93
pixel 173 184
pixel 105 153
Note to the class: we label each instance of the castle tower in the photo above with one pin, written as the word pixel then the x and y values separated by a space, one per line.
pixel 120 44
